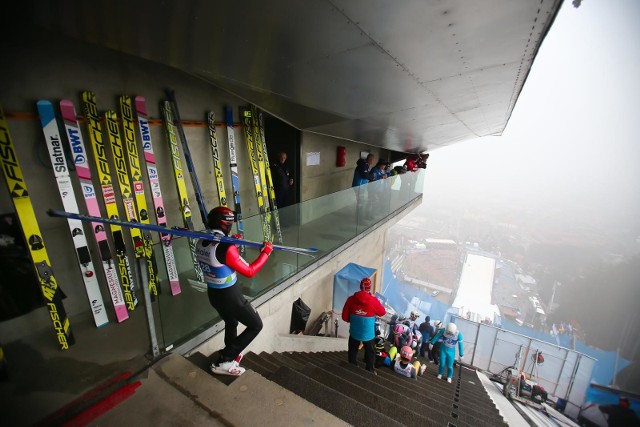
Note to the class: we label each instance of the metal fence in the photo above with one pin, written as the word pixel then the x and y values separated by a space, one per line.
pixel 565 373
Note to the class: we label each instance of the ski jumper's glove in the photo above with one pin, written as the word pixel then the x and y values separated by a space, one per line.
pixel 430 346
pixel 238 236
pixel 267 248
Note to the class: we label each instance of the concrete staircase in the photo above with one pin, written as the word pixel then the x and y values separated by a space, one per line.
pixel 360 398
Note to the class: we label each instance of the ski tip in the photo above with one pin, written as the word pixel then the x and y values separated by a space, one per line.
pixel 68 110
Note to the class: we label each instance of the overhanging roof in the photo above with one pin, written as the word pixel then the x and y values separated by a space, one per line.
pixel 409 76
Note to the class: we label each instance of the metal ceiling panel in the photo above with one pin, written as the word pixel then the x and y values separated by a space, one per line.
pixel 408 75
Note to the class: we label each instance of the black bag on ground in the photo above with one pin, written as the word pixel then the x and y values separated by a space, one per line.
pixel 299 316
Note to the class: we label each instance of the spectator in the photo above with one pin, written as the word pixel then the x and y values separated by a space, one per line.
pixel 376 189
pixel 450 337
pixel 416 161
pixel 427 332
pixel 404 366
pixel 282 180
pixel 362 171
pixel 360 178
pixel 359 311
pixel 378 171
pixel 621 414
pixel 411 163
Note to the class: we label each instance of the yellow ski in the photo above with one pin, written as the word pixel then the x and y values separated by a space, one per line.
pixel 102 165
pixel 29 224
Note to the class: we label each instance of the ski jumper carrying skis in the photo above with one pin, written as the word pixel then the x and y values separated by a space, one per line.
pixel 219 263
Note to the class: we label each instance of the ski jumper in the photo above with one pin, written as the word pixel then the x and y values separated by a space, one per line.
pixel 219 263
pixel 406 369
pixel 448 349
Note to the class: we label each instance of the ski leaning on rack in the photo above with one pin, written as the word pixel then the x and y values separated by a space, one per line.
pixel 181 186
pixel 156 194
pixel 271 189
pixel 182 232
pixel 233 165
pixel 215 153
pixel 142 243
pixel 29 225
pixel 81 162
pixel 187 156
pixel 76 228
pixel 247 125
pixel 102 165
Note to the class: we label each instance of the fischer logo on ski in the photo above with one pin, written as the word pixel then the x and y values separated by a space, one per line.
pixel 233 165
pixel 31 231
pixel 104 175
pixel 141 203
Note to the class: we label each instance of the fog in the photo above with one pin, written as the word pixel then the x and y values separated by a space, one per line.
pixel 564 173
pixel 570 149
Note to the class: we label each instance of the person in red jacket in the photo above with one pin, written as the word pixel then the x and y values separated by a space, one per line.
pixel 360 311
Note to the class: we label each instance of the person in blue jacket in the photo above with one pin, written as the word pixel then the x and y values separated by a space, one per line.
pixel 360 311
pixel 361 176
pixel 450 337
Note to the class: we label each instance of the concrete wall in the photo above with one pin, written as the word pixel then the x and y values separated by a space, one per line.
pixel 316 290
pixel 44 66
pixel 327 178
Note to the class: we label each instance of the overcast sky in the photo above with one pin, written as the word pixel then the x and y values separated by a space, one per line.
pixel 573 136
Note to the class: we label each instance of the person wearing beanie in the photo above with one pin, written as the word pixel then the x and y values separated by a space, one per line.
pixel 360 311
pixel 621 414
pixel 427 332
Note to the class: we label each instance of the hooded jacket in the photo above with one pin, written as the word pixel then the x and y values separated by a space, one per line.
pixel 360 310
pixel 361 173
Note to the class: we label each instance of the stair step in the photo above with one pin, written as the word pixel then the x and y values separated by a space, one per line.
pixel 391 391
pixel 286 360
pixel 331 400
pixel 366 397
pixel 203 362
pixel 474 406
pixel 258 364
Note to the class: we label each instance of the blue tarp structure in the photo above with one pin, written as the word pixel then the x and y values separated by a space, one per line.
pixel 399 295
pixel 347 281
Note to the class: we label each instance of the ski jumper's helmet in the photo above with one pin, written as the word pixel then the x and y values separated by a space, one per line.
pixel 221 218
pixel 452 329
pixel 406 353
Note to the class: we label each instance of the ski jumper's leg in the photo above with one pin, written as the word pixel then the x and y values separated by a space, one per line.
pixel 451 355
pixel 443 359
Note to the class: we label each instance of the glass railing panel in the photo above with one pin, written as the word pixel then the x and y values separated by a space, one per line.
pixel 325 223
pixel 188 313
